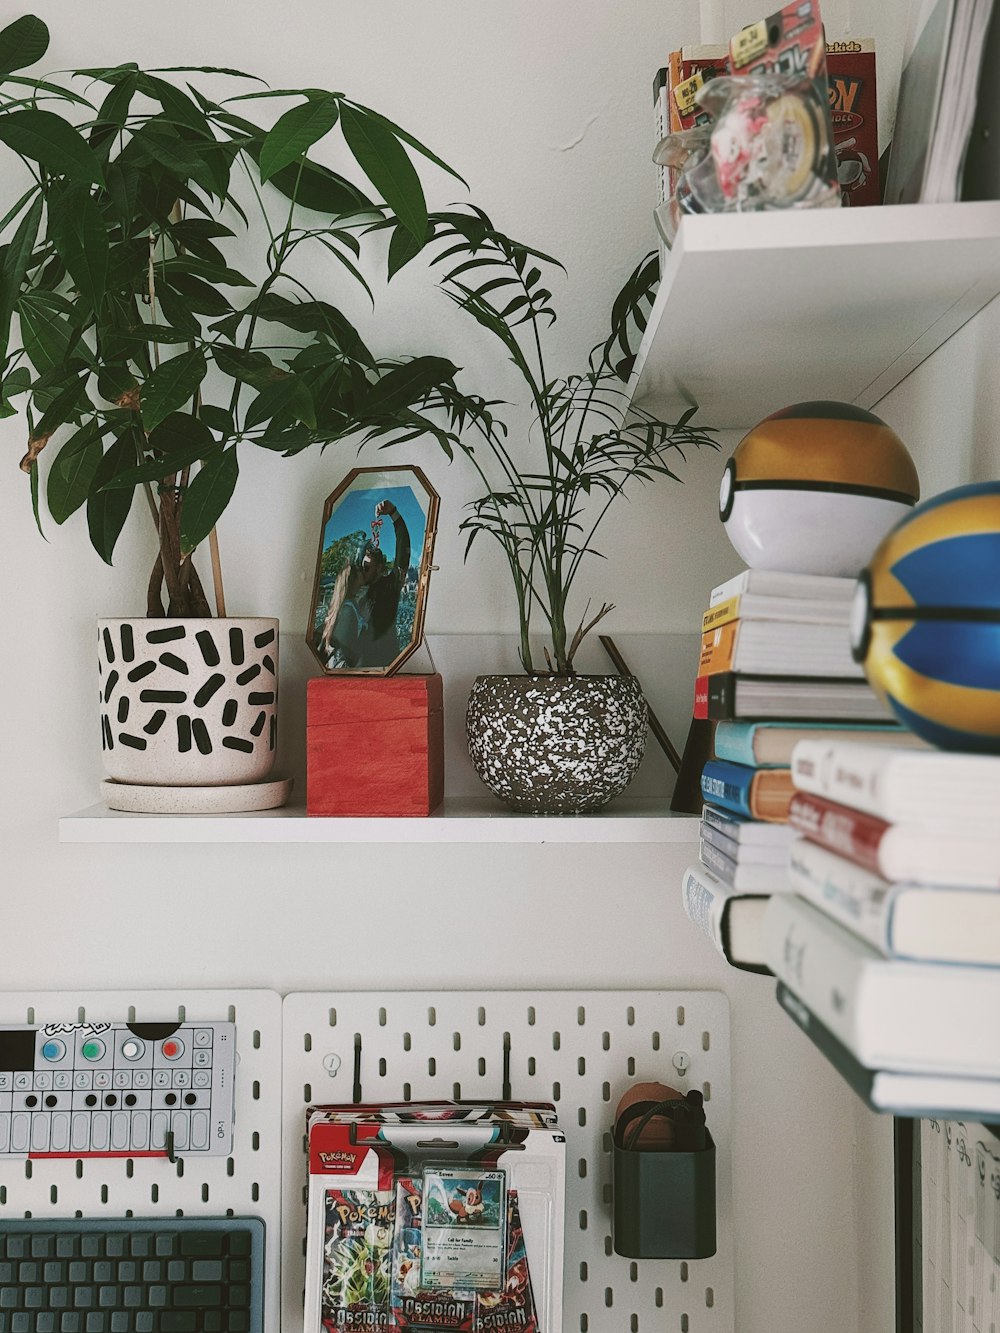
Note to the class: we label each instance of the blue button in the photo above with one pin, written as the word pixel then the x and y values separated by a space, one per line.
pixel 53 1050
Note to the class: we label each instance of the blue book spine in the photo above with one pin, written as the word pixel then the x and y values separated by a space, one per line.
pixel 728 785
pixel 734 742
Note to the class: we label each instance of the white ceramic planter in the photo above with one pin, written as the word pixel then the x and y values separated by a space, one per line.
pixel 188 702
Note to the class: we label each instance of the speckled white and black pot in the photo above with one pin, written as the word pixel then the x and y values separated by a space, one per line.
pixel 188 702
pixel 556 744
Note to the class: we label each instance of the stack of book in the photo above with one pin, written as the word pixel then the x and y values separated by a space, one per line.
pixel 887 948
pixel 775 668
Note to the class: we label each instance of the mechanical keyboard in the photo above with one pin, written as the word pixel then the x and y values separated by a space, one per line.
pixel 132 1275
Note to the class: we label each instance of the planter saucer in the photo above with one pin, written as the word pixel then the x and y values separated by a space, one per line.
pixel 143 800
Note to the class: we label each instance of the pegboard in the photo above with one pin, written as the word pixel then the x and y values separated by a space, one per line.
pixel 246 1183
pixel 579 1049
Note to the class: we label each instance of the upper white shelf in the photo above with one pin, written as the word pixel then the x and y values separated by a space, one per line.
pixel 759 310
pixel 458 821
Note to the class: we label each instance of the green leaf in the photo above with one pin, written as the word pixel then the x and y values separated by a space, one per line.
pixel 414 143
pixel 18 381
pixel 177 106
pixel 72 473
pixel 108 510
pixel 81 240
pixel 22 43
pixel 170 386
pixel 47 335
pixel 158 141
pixel 14 267
pixel 114 382
pixel 406 384
pixel 403 247
pixel 181 430
pixel 295 132
pixel 288 397
pixel 319 189
pixel 218 419
pixel 52 141
pixel 206 498
pixel 197 295
pixel 177 312
pixel 63 407
pixel 203 268
pixel 248 367
pixel 384 161
pixel 33 474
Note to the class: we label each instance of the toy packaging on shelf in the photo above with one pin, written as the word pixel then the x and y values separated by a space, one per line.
pixel 435 1215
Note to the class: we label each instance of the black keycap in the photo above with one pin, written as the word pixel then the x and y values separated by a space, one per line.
pixel 128 1270
pixel 71 1322
pixel 115 1245
pixel 109 1297
pixel 41 1245
pixel 84 1297
pixel 17 1246
pixel 97 1322
pixel 239 1297
pixel 145 1321
pixel 59 1297
pixel 90 1246
pixel 213 1321
pixel 34 1298
pixel 140 1243
pixel 6 1272
pixel 27 1271
pixel 239 1270
pixel 177 1270
pixel 239 1321
pixel 121 1322
pixel 67 1246
pixel 79 1270
pixel 10 1298
pixel 178 1321
pixel 239 1243
pixel 199 1297
pixel 53 1271
pixel 203 1242
pixel 103 1271
pixel 22 1323
pixel 134 1298
pixel 207 1270
pixel 45 1322
pixel 157 1298
pixel 152 1270
pixel 164 1244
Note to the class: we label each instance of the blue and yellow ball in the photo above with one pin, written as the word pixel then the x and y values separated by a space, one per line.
pixel 926 619
pixel 815 487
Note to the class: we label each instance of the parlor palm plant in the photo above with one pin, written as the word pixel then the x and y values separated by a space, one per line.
pixel 588 442
pixel 125 319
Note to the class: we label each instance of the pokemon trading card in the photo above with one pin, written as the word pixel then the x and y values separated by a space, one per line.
pixel 464 1229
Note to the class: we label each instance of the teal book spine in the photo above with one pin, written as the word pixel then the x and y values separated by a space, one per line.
pixel 734 742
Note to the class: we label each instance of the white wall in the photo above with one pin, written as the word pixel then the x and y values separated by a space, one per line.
pixel 545 110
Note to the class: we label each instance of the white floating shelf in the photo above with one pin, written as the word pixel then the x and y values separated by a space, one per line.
pixel 759 310
pixel 458 821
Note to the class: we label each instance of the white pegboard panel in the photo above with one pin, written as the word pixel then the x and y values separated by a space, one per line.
pixel 579 1049
pixel 246 1183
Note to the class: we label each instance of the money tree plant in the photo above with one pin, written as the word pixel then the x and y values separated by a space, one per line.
pixel 135 337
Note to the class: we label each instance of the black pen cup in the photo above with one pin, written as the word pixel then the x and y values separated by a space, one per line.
pixel 664 1201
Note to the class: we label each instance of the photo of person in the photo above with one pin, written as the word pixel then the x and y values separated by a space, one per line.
pixel 375 543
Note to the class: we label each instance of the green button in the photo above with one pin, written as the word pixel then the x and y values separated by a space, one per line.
pixel 92 1050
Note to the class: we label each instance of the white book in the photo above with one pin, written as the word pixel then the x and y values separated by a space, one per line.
pixel 900 785
pixel 743 876
pixel 747 832
pixel 772 647
pixel 890 1014
pixel 776 583
pixel 795 610
pixel 730 919
pixel 936 923
pixel 774 856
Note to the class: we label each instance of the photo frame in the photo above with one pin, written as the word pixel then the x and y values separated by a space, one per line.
pixel 373 569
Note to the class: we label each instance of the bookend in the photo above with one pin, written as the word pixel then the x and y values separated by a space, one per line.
pixel 664 1184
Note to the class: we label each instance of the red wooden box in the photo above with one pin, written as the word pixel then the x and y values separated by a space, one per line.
pixel 374 745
